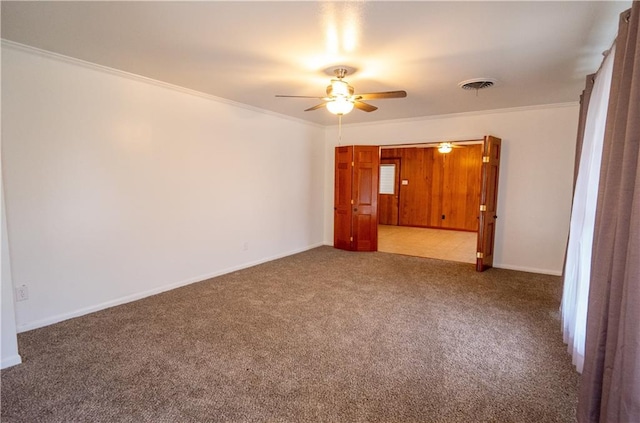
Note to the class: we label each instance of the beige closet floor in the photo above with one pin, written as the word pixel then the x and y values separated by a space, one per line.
pixel 424 242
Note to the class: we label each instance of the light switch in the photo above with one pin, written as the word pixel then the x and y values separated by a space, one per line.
pixel 405 182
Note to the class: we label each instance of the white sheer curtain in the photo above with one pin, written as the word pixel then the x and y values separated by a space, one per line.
pixel 578 263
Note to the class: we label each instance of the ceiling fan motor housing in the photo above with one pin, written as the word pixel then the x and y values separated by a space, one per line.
pixel 338 87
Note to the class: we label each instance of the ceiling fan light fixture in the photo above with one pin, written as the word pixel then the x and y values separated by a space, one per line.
pixel 340 106
pixel 445 147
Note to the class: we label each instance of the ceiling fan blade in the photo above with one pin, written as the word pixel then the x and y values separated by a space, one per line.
pixel 381 95
pixel 298 96
pixel 364 106
pixel 316 107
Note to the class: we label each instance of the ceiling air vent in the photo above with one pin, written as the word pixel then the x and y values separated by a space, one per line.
pixel 477 83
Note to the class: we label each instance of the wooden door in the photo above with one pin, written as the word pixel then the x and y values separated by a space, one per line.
pixel 488 202
pixel 366 168
pixel 342 198
pixel 356 198
pixel 388 201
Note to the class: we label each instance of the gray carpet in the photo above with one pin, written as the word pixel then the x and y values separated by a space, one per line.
pixel 321 336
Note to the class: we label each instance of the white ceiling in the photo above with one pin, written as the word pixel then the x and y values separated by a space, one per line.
pixel 247 52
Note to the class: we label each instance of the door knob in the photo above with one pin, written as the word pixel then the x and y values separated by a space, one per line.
pixel 355 209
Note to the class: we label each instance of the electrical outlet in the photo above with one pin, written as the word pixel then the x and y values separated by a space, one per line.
pixel 22 293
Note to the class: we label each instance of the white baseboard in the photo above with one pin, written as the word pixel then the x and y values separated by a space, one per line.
pixel 138 296
pixel 529 269
pixel 512 267
pixel 10 361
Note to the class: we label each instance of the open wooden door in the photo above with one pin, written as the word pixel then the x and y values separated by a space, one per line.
pixel 366 168
pixel 356 198
pixel 488 202
pixel 342 237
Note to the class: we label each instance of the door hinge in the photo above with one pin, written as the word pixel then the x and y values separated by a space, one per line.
pixel 485 159
pixel 354 163
pixel 351 239
pixel 483 207
pixel 351 201
pixel 479 255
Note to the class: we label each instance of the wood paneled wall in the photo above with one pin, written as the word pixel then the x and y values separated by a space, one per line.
pixel 442 191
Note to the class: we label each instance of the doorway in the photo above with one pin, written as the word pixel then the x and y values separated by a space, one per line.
pixel 429 200
pixel 446 200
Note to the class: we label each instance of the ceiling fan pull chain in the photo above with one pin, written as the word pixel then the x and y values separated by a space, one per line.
pixel 339 130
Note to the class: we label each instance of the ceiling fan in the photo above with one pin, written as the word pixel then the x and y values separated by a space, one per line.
pixel 340 98
pixel 446 147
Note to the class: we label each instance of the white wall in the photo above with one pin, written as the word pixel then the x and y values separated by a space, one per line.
pixel 536 174
pixel 117 187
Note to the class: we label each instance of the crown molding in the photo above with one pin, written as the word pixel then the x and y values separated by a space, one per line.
pixel 466 114
pixel 139 78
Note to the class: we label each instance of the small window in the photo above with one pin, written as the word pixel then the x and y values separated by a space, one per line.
pixel 387 179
